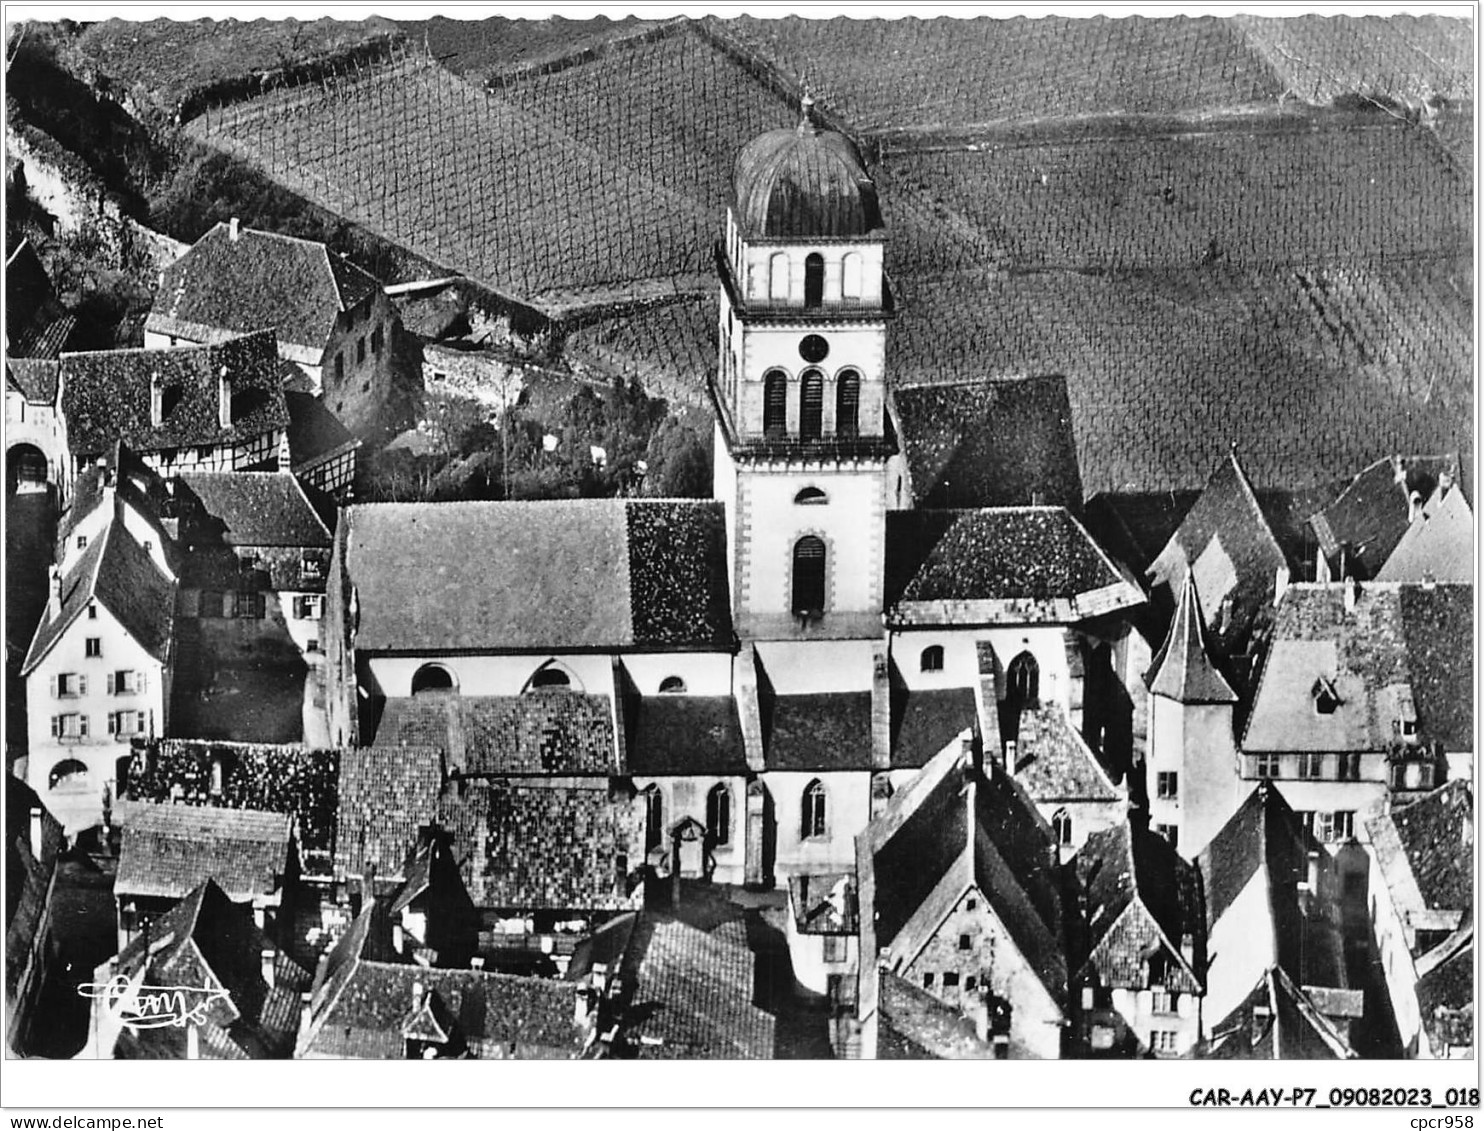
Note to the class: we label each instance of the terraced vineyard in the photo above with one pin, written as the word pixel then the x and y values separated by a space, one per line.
pixel 884 75
pixel 1402 58
pixel 1307 195
pixel 434 164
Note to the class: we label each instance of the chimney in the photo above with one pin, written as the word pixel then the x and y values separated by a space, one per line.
pixel 1351 593
pixel 269 959
pixel 1011 747
pixel 477 962
pixel 1280 584
pixel 36 831
pixel 1187 948
pixel 880 711
pixel 306 1013
pixel 417 996
pixel 1312 875
pixel 399 938
pixel 584 1011
pixel 1414 506
pixel 233 231
pixel 1261 1015
pixel 224 397
pixel 600 976
pixel 54 601
pixel 193 1042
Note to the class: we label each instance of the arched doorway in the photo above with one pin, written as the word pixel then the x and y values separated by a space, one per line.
pixel 431 678
pixel 25 469
pixel 809 576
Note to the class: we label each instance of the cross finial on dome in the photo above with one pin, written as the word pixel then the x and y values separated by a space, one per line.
pixel 806 112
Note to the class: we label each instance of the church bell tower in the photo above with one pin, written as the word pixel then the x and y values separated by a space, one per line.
pixel 800 393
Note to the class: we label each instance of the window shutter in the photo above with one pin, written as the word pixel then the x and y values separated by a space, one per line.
pixel 141 722
pixel 113 684
pixel 82 726
pixel 112 722
pixel 56 724
pixel 56 693
pixel 82 685
pixel 140 681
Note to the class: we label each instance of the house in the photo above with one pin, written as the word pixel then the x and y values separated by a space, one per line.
pixel 35 428
pixel 1228 545
pixel 823 931
pixel 1360 530
pixel 117 485
pixel 367 1005
pixel 167 850
pixel 256 544
pixel 33 842
pixel 1438 545
pixel 98 673
pixel 959 894
pixel 331 319
pixel 322 452
pixel 216 407
pixel 1445 998
pixel 1363 696
pixel 1277 1021
pixel 1190 772
pixel 1421 889
pixel 915 1025
pixel 205 939
pixel 1273 923
pixel 1139 972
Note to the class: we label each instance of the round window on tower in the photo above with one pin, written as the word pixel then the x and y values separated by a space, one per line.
pixel 814 349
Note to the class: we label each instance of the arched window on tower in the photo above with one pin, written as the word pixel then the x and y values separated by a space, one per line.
pixel 1023 682
pixel 778 275
pixel 814 280
pixel 719 814
pixel 852 275
pixel 1061 827
pixel 654 818
pixel 775 403
pixel 813 818
pixel 811 497
pixel 932 658
pixel 808 591
pixel 847 403
pixel 811 405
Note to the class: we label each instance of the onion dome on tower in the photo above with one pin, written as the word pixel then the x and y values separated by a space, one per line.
pixel 804 183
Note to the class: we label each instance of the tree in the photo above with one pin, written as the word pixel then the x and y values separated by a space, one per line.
pixel 679 463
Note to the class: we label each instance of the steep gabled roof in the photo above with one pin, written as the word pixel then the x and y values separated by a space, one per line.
pixel 1277 1021
pixel 1054 763
pixel 998 564
pixel 1425 851
pixel 125 580
pixel 37 379
pixel 915 1025
pixel 590 573
pixel 169 849
pixel 1183 670
pixel 1438 546
pixel 133 482
pixel 1370 516
pixel 258 508
pixel 1445 992
pixel 1226 542
pixel 989 443
pixel 108 396
pixel 260 280
pixel 314 432
pixel 1139 892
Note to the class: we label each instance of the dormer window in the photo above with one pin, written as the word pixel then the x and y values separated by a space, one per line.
pixel 1326 698
pixel 163 400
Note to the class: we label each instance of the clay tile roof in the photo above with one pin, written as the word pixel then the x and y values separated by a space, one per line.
pixel 1054 763
pixel 1183 669
pixel 1288 1028
pixel 313 430
pixel 685 734
pixel 386 795
pixel 116 571
pixel 1370 516
pixel 169 849
pixel 259 508
pixel 818 732
pixel 1445 995
pixel 543 732
pixel 259 281
pixel 1439 546
pixel 1036 561
pixel 554 844
pixel 107 396
pixel 1436 834
pixel 1438 629
pixel 915 1025
pixel 989 443
pixel 592 573
pixel 36 379
pixel 925 720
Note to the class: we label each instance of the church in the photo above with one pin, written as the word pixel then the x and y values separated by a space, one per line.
pixel 768 666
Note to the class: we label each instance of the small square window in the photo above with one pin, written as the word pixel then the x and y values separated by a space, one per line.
pixel 1168 783
pixel 965 942
pixel 927 981
pixel 950 979
pixel 94 646
pixel 92 611
pixel 970 982
pixel 971 904
pixel 82 541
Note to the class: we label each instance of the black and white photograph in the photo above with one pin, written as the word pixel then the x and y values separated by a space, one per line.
pixel 778 533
